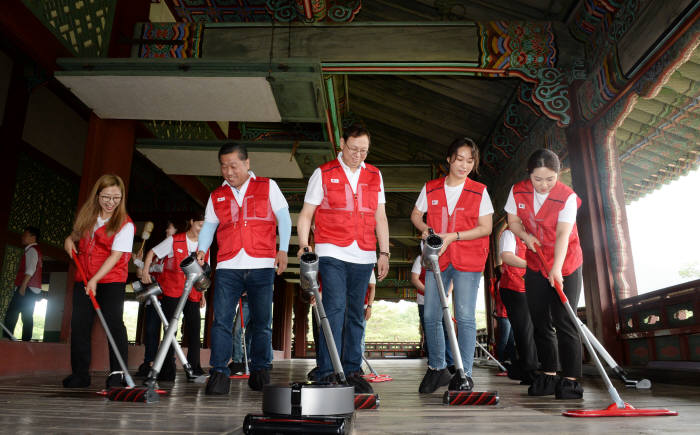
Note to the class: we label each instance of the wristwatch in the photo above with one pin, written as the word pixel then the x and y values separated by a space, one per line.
pixel 388 254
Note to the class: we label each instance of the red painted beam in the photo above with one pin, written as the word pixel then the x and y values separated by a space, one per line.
pixel 193 187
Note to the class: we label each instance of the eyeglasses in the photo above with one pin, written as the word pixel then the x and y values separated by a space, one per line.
pixel 114 199
pixel 352 150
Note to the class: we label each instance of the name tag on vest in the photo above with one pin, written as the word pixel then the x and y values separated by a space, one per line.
pixel 221 198
pixel 521 205
pixel 180 251
pixel 335 180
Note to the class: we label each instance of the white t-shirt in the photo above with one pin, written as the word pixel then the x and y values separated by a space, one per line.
pixel 165 248
pixel 567 214
pixel 417 268
pixel 314 196
pixel 31 260
pixel 242 260
pixel 452 194
pixel 123 240
pixel 507 242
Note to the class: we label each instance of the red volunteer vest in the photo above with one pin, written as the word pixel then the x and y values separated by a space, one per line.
pixel 421 278
pixel 35 280
pixel 344 216
pixel 543 225
pixel 464 255
pixel 93 251
pixel 172 279
pixel 512 278
pixel 251 227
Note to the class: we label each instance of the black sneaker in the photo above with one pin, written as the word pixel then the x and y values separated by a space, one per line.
pixel 568 389
pixel 543 385
pixel 236 368
pixel 258 379
pixel 452 369
pixel 218 383
pixel 76 381
pixel 313 375
pixel 361 385
pixel 458 384
pixel 197 371
pixel 167 373
pixel 144 370
pixel 434 379
pixel 115 379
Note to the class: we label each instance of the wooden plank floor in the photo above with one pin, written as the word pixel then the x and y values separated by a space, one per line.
pixel 39 405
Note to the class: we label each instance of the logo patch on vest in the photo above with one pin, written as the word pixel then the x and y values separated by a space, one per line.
pixel 221 198
pixel 335 180
pixel 521 205
pixel 434 202
pixel 179 250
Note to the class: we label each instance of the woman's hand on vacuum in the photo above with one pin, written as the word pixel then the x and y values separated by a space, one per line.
pixel 91 286
pixel 447 238
pixel 556 277
pixel 146 278
pixel 532 243
pixel 69 246
pixel 301 251
pixel 202 302
pixel 200 257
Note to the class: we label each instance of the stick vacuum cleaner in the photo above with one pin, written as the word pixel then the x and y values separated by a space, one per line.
pixel 459 391
pixel 307 407
pixel 619 408
pixel 151 293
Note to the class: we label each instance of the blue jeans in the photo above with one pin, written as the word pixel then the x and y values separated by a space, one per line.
pixel 344 288
pixel 237 350
pixel 229 285
pixel 466 286
pixel 505 346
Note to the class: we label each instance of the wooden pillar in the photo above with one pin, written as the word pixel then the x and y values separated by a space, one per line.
pixel 109 149
pixel 601 302
pixel 126 14
pixel 301 327
pixel 283 300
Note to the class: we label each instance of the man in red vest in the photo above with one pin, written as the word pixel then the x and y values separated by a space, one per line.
pixel 244 212
pixel 345 198
pixel 27 285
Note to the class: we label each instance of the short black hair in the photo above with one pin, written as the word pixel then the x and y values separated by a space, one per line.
pixel 233 148
pixel 459 143
pixel 197 215
pixel 543 158
pixel 356 130
pixel 34 231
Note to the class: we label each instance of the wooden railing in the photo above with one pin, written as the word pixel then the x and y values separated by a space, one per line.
pixel 663 325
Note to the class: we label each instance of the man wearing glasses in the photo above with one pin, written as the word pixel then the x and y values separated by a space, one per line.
pixel 345 197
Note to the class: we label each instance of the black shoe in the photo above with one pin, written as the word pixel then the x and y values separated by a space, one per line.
pixel 167 374
pixel 76 381
pixel 452 369
pixel 568 389
pixel 528 377
pixel 115 379
pixel 543 385
pixel 313 375
pixel 197 371
pixel 434 379
pixel 218 383
pixel 361 385
pixel 258 379
pixel 236 368
pixel 144 370
pixel 459 384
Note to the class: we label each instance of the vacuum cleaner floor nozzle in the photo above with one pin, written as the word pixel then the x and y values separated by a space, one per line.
pixel 463 398
pixel 614 411
pixel 261 424
pixel 367 401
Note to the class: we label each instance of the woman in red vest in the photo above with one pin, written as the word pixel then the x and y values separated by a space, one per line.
pixel 104 235
pixel 172 251
pixel 542 212
pixel 459 210
pixel 512 292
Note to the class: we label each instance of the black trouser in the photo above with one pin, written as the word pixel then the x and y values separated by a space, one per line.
pixel 21 305
pixel 521 324
pixel 151 333
pixel 543 302
pixel 191 325
pixel 110 296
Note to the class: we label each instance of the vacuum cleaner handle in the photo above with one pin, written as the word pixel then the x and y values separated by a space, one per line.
pixel 557 286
